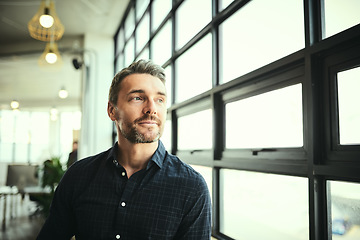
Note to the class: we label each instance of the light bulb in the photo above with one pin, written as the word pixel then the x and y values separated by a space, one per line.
pixel 63 93
pixel 14 104
pixel 46 20
pixel 51 57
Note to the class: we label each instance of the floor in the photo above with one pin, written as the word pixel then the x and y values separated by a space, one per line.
pixel 19 225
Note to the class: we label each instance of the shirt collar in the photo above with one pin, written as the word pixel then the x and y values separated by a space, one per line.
pixel 158 157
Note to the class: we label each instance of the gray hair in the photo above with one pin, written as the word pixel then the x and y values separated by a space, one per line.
pixel 141 66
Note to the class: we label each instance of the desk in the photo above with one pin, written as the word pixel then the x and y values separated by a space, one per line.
pixel 4 192
pixel 8 194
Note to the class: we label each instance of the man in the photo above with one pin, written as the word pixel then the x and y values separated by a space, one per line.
pixel 135 190
pixel 73 155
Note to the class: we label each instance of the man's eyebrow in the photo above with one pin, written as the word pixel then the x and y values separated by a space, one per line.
pixel 136 91
pixel 142 91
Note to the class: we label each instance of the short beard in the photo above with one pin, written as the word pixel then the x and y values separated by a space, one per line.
pixel 133 135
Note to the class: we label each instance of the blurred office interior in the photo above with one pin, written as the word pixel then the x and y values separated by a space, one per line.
pixel 262 101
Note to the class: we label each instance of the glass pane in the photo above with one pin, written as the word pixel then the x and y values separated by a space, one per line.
pixel 40 120
pixel 21 130
pixel 144 54
pixel 129 52
pixel 129 24
pixel 266 31
pixel 272 119
pixel 186 29
pixel 349 100
pixel 168 85
pixel 160 8
pixel 263 206
pixel 6 152
pixel 161 45
pixel 166 137
pixel 195 131
pixel 141 6
pixel 120 41
pixel 142 33
pixel 119 63
pixel 206 172
pixel 7 125
pixel 21 153
pixel 340 15
pixel 224 4
pixel 344 203
pixel 197 61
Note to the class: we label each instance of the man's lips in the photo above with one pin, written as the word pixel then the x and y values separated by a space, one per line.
pixel 148 123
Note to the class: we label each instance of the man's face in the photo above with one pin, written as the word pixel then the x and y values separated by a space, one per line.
pixel 140 113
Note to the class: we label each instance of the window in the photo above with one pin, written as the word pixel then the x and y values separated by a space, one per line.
pixel 262 102
pixel 265 31
pixel 142 33
pixel 191 127
pixel 340 15
pixel 263 206
pixel 349 116
pixel 344 208
pixel 272 119
pixel 160 9
pixel 194 69
pixel 200 10
pixel 161 45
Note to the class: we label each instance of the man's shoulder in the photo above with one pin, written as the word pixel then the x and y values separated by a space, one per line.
pixel 86 168
pixel 180 169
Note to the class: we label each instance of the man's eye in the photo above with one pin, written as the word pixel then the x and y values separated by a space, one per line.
pixel 137 98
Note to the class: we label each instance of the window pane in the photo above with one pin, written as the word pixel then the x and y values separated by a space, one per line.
pixel 225 3
pixel 144 54
pixel 186 29
pixel 263 206
pixel 206 172
pixel 161 45
pixel 129 24
pixel 194 70
pixel 195 131
pixel 344 203
pixel 349 100
pixel 142 33
pixel 129 52
pixel 340 15
pixel 141 6
pixel 272 119
pixel 168 85
pixel 120 41
pixel 160 8
pixel 166 137
pixel 266 31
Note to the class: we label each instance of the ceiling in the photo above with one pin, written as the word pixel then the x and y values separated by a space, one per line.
pixel 22 78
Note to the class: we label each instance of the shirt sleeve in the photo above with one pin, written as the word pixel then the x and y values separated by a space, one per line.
pixel 60 223
pixel 196 223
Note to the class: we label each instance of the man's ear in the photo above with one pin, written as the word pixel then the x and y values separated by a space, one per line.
pixel 111 111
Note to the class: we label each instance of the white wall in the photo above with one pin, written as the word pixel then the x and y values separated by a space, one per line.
pixel 96 129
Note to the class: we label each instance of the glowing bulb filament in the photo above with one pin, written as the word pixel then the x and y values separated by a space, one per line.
pixel 51 57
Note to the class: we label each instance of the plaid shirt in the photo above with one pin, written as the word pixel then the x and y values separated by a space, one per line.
pixel 96 200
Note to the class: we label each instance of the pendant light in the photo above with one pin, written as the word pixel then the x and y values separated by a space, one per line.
pixel 45 25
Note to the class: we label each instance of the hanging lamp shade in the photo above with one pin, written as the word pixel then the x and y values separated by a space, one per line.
pixel 51 56
pixel 45 25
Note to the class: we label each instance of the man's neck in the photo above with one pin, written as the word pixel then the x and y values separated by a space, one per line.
pixel 134 157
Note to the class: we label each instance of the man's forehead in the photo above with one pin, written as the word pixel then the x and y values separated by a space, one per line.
pixel 142 83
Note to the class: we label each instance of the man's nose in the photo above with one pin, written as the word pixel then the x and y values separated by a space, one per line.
pixel 150 107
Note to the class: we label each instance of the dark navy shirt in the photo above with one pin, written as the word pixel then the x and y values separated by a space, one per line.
pixel 96 200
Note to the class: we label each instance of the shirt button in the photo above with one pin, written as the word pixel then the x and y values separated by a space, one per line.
pixel 123 174
pixel 115 162
pixel 117 236
pixel 123 204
